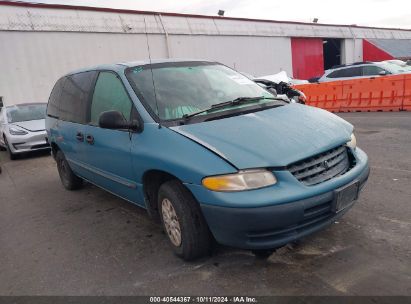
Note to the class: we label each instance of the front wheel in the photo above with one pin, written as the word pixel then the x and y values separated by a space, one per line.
pixel 69 180
pixel 12 155
pixel 183 221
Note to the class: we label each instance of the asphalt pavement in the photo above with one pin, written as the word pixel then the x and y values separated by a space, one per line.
pixel 89 242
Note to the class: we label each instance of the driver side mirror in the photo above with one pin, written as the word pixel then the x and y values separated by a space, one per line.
pixel 382 73
pixel 116 121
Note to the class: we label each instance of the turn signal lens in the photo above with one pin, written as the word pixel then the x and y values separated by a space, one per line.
pixel 241 181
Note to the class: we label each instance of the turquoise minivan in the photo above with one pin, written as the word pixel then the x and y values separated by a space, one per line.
pixel 209 153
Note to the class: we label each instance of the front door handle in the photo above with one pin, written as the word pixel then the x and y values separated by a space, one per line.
pixel 90 139
pixel 80 136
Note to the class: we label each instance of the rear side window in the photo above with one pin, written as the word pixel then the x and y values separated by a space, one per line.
pixel 75 97
pixel 109 95
pixel 53 105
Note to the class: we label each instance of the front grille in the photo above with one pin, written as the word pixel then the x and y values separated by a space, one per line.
pixel 322 167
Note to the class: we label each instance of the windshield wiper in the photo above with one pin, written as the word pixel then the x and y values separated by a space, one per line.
pixel 230 103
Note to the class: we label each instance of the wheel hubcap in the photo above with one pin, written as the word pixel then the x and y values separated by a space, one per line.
pixel 171 222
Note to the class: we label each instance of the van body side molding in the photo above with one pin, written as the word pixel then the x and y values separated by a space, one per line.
pixel 114 178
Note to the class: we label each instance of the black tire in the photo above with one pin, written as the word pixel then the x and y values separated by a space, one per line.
pixel 196 238
pixel 69 180
pixel 12 155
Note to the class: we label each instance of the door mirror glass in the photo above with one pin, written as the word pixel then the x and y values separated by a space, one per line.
pixel 116 121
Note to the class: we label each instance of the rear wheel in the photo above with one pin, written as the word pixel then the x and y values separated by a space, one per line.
pixel 12 155
pixel 183 221
pixel 69 180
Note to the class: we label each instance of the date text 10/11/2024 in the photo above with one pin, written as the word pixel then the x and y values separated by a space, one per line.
pixel 203 299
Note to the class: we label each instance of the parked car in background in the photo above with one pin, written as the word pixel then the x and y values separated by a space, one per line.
pixel 22 128
pixel 207 151
pixel 363 70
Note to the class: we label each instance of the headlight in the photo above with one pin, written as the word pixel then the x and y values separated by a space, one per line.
pixel 353 142
pixel 243 180
pixel 15 131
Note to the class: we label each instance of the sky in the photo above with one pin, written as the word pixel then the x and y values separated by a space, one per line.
pixel 378 13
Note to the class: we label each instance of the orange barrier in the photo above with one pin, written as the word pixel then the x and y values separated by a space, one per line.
pixel 388 93
pixel 322 95
pixel 406 105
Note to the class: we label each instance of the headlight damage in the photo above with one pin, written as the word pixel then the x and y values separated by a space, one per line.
pixel 353 142
pixel 241 181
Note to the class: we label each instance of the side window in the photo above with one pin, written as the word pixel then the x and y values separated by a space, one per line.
pixel 336 74
pixel 109 95
pixel 371 70
pixel 352 72
pixel 53 105
pixel 75 96
pixel 348 72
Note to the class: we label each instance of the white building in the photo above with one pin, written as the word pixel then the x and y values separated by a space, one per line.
pixel 41 42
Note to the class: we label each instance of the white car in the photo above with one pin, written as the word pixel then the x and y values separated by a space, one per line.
pixel 363 70
pixel 22 128
pixel 397 62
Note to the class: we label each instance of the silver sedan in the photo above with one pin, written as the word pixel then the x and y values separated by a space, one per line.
pixel 22 128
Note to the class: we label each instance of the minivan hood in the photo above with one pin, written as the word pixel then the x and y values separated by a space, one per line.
pixel 272 138
pixel 32 125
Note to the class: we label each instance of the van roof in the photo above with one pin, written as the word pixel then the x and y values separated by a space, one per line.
pixel 123 65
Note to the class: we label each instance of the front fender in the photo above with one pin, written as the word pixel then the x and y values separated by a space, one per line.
pixel 159 148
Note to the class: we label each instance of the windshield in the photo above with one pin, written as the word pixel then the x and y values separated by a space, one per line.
pixel 26 112
pixel 395 68
pixel 183 88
